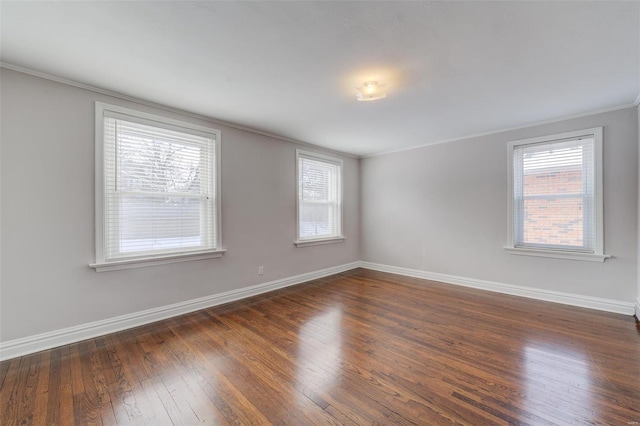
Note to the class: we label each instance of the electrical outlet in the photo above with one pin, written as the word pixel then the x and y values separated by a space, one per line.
pixel 260 270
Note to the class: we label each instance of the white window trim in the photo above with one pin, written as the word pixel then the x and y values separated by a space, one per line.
pixel 319 241
pixel 598 255
pixel 102 265
pixel 142 262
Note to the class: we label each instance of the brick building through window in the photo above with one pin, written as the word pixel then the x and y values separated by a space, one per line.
pixel 553 206
pixel 556 187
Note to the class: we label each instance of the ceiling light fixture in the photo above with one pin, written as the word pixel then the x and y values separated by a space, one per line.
pixel 370 91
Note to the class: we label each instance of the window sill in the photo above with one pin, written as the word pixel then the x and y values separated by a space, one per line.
pixel 155 260
pixel 557 254
pixel 307 243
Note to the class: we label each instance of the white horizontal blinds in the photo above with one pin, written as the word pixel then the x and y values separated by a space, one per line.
pixel 319 198
pixel 554 195
pixel 159 189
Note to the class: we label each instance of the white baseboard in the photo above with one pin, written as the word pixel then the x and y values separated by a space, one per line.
pixel 515 290
pixel 31 344
pixel 52 339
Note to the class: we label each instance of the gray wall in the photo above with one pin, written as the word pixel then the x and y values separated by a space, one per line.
pixel 443 208
pixel 47 227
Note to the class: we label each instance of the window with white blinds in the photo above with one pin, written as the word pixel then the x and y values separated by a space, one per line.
pixel 556 191
pixel 158 187
pixel 319 197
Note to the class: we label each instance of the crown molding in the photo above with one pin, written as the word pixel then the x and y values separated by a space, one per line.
pixel 508 129
pixel 167 108
pixel 163 107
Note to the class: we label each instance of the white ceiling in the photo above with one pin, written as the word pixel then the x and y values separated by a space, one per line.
pixel 453 69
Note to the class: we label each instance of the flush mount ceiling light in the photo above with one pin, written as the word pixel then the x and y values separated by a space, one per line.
pixel 370 91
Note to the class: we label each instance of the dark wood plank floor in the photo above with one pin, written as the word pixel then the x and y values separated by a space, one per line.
pixel 356 348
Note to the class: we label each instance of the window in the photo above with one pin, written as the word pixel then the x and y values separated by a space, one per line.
pixel 555 186
pixel 319 199
pixel 157 190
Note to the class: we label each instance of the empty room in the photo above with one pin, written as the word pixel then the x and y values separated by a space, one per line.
pixel 319 213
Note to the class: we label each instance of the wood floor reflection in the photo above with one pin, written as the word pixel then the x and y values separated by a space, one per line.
pixel 356 348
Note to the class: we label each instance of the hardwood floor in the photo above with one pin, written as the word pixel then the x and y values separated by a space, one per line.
pixel 356 348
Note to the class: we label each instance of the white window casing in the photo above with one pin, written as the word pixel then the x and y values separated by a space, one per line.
pixel 318 199
pixel 157 190
pixel 556 196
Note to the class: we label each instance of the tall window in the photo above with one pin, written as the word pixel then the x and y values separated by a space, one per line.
pixel 556 194
pixel 319 198
pixel 156 188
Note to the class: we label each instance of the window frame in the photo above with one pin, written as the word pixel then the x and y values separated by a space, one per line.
pixel 305 242
pixel 101 264
pixel 598 254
